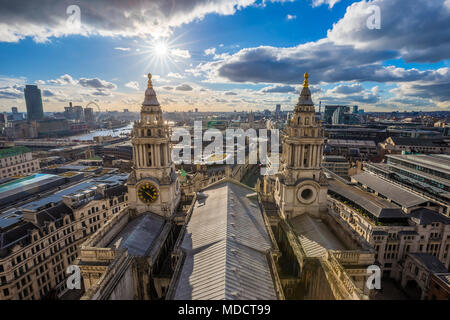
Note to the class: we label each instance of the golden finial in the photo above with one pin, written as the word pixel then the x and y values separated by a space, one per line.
pixel 305 82
pixel 150 85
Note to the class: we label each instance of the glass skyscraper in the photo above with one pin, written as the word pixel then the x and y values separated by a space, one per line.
pixel 33 99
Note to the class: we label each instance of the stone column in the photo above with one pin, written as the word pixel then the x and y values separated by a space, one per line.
pixel 315 155
pixel 302 155
pixel 161 154
pixel 169 156
pixel 310 151
pixel 290 151
pixel 158 154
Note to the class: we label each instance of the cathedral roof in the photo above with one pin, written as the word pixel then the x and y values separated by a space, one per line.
pixel 225 245
pixel 150 94
pixel 305 95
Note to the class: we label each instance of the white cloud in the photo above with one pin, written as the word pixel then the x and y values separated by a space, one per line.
pixel 417 29
pixel 122 49
pixel 96 83
pixel 291 17
pixel 347 89
pixel 43 20
pixel 63 80
pixel 132 85
pixel 11 92
pixel 174 75
pixel 180 53
pixel 184 87
pixel 330 3
pixel 210 51
pixel 278 89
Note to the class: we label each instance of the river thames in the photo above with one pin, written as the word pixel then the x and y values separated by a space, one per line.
pixel 103 132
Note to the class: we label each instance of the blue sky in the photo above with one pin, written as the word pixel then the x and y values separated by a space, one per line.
pixel 228 55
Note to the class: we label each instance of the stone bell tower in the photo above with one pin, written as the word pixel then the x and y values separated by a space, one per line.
pixel 153 184
pixel 300 186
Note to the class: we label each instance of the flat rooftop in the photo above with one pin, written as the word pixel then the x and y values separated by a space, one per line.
pixel 57 196
pixel 27 181
pixel 351 143
pixel 401 196
pixel 21 188
pixel 377 206
pixel 423 174
pixel 14 151
pixel 438 162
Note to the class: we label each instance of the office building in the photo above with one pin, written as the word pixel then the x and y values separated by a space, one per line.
pixel 89 116
pixel 336 164
pixel 329 111
pixel 398 145
pixel 33 100
pixel 17 161
pixel 42 238
pixel 391 231
pixel 351 149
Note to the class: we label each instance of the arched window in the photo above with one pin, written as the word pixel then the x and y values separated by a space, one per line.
pixel 306 121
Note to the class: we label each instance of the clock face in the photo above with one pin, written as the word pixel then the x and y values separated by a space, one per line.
pixel 148 193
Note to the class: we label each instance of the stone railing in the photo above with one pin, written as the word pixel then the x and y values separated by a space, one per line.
pixel 275 276
pixel 97 239
pixel 341 284
pixel 96 291
pixel 97 254
pixel 353 257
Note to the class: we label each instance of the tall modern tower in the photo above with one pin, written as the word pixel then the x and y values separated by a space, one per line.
pixel 33 100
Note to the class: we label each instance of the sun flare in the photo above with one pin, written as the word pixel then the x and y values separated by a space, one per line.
pixel 161 49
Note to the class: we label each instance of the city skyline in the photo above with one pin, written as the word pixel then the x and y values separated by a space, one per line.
pixel 228 55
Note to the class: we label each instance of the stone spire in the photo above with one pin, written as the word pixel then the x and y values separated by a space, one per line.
pixel 305 95
pixel 300 186
pixel 150 95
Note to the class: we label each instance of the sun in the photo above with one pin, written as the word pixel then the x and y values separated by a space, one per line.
pixel 161 49
pixel 162 54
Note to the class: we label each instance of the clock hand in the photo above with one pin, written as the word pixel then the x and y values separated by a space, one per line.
pixel 149 194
